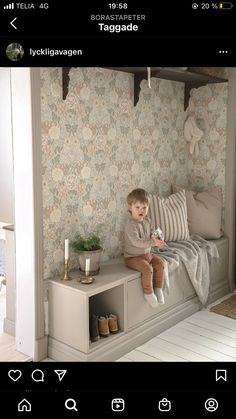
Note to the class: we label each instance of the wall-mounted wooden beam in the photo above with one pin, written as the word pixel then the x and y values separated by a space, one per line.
pixel 190 79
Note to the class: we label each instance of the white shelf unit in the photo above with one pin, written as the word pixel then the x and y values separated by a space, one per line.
pixel 71 303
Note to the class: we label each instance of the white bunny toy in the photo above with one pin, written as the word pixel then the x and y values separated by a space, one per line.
pixel 192 134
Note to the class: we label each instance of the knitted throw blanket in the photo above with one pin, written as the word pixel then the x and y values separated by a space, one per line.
pixel 196 255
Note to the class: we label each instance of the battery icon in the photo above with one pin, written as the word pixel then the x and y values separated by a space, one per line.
pixel 226 5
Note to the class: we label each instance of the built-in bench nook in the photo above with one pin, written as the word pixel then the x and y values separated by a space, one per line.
pixel 118 289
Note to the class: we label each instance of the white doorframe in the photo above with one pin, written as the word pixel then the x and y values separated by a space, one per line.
pixel 26 123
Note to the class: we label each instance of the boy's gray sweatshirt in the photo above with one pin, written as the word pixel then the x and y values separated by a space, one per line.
pixel 138 240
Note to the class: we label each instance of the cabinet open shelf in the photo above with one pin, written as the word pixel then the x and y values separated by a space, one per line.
pixel 71 304
pixel 105 303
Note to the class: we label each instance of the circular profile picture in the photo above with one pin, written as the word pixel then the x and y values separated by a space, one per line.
pixel 14 51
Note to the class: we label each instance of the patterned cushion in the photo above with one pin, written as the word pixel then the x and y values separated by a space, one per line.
pixel 170 214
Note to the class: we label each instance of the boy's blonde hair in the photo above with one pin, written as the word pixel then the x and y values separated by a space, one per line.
pixel 138 195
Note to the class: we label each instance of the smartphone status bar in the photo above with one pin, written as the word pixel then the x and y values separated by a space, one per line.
pixel 116 19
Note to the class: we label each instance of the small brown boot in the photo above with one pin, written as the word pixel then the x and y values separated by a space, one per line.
pixel 113 323
pixel 93 328
pixel 103 326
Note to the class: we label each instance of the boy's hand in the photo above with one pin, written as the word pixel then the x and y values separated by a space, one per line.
pixel 158 242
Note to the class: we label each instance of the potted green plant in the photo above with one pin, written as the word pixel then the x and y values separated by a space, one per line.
pixel 88 248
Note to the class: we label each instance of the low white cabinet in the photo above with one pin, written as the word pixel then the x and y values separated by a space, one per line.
pixel 70 305
pixel 117 289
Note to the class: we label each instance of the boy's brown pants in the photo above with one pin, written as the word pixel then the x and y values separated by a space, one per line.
pixel 148 264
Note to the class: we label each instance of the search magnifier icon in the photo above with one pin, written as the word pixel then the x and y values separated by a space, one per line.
pixel 70 404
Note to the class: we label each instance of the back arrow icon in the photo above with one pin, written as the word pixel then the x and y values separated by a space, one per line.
pixel 12 23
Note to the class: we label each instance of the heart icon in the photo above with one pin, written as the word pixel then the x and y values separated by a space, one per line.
pixel 14 374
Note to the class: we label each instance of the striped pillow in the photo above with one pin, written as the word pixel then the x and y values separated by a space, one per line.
pixel 170 214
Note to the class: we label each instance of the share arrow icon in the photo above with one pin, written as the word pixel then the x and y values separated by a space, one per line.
pixel 60 374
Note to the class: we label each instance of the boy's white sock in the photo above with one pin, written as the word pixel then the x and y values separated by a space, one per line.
pixel 160 295
pixel 151 299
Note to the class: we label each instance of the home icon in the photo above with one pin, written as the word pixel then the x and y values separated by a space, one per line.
pixel 24 406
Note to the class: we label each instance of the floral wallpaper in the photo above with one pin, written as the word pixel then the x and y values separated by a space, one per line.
pixel 97 147
pixel 209 104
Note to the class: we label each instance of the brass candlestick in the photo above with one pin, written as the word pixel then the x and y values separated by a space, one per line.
pixel 87 279
pixel 66 270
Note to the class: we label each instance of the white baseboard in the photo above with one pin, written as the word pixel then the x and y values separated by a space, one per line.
pixel 219 290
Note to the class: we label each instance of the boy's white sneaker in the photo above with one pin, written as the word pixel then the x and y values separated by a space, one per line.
pixel 160 295
pixel 151 299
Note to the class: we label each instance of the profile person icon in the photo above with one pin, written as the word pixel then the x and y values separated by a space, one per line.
pixel 211 405
pixel 14 51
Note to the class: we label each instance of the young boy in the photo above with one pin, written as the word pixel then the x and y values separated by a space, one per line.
pixel 137 247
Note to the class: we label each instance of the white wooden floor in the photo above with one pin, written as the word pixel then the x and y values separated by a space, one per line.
pixel 204 336
pixel 8 351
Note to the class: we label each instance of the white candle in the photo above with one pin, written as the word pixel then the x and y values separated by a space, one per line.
pixel 66 249
pixel 87 265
